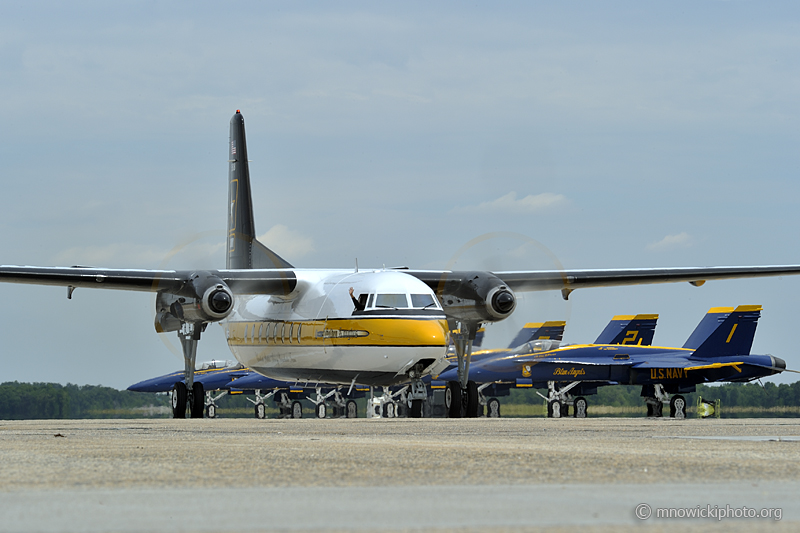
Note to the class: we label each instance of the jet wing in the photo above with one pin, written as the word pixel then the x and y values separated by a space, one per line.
pixel 268 281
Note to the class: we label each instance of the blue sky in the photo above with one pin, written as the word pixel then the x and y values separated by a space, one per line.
pixel 603 135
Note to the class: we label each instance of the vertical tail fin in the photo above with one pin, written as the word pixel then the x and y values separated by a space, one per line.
pixel 725 331
pixel 535 331
pixel 629 329
pixel 244 250
pixel 479 338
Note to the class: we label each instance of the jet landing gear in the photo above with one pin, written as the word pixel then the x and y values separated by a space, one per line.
pixel 211 403
pixel 655 398
pixel 559 400
pixel 386 405
pixel 343 408
pixel 259 405
pixel 288 408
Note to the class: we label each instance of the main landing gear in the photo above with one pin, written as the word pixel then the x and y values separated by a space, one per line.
pixel 655 398
pixel 559 400
pixel 288 408
pixel 462 402
pixel 461 398
pixel 187 393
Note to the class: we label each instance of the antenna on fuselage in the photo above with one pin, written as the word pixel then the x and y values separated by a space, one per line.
pixel 356 265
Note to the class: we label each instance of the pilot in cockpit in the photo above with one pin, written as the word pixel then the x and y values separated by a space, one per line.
pixel 361 302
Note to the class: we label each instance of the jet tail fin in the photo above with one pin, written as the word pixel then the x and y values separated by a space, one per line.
pixel 539 330
pixel 479 335
pixel 629 329
pixel 244 250
pixel 725 331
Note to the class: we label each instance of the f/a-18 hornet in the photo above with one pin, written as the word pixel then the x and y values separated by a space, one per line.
pixel 717 351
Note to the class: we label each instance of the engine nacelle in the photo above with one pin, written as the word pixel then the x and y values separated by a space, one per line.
pixel 477 296
pixel 205 298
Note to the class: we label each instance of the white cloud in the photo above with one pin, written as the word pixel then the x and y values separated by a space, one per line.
pixel 671 242
pixel 509 203
pixel 287 243
pixel 192 254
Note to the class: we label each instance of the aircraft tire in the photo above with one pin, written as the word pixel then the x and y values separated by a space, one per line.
pixel 198 405
pixel 453 399
pixel 389 410
pixel 261 411
pixel 297 410
pixel 417 407
pixel 677 407
pixel 179 400
pixel 579 407
pixel 554 409
pixel 473 403
pixel 649 409
pixel 211 411
pixel 493 408
pixel 351 409
pixel 401 410
pixel 321 410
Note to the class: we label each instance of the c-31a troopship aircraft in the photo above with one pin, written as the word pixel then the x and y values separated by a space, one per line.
pixel 304 324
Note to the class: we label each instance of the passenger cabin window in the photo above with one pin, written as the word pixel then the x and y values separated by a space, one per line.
pixel 421 301
pixel 391 301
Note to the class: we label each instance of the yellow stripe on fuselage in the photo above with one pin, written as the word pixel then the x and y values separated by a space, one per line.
pixel 412 331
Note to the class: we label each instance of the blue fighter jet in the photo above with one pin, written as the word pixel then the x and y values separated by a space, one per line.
pixel 287 396
pixel 717 351
pixel 621 330
pixel 230 377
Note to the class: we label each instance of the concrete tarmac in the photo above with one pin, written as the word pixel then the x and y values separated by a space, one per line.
pixel 398 475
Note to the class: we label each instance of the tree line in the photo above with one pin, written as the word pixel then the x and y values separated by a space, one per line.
pixel 20 401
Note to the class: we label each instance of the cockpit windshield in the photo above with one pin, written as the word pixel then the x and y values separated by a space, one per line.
pixel 401 301
pixel 541 345
pixel 422 301
pixel 397 301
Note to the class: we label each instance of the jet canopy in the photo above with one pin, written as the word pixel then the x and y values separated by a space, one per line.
pixel 540 345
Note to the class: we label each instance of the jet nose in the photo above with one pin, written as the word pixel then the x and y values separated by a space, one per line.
pixel 777 362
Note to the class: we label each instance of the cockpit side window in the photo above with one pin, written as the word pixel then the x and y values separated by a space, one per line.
pixel 362 299
pixel 421 301
pixel 370 299
pixel 391 300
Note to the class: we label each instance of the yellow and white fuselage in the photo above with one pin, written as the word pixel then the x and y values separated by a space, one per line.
pixel 318 334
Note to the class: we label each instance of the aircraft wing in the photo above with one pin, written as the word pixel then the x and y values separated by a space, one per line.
pixel 268 281
pixel 575 279
pixel 568 280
